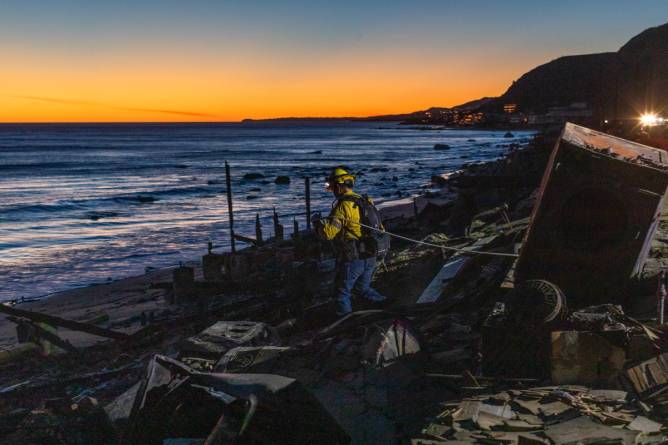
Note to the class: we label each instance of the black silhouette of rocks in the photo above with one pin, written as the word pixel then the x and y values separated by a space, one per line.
pixel 253 176
pixel 612 82
pixel 439 181
pixel 441 147
pixel 508 135
pixel 282 180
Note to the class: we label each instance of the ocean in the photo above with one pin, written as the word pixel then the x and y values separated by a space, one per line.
pixel 87 203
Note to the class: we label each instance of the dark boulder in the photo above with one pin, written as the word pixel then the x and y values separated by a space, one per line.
pixel 253 176
pixel 508 135
pixel 282 180
pixel 439 181
pixel 145 199
pixel 441 147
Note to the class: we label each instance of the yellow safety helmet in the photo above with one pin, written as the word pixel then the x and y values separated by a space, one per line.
pixel 340 175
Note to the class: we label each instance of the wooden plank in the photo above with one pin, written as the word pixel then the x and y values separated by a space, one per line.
pixel 43 334
pixel 245 239
pixel 62 322
pixel 449 271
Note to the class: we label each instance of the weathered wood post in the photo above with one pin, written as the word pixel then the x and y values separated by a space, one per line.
pixel 258 229
pixel 307 188
pixel 295 228
pixel 278 228
pixel 228 182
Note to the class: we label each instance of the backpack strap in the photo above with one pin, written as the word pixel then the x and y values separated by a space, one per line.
pixel 357 200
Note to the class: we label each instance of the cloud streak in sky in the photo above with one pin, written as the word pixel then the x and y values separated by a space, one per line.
pixel 113 107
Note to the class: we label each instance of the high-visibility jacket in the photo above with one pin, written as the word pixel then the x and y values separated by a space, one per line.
pixel 341 220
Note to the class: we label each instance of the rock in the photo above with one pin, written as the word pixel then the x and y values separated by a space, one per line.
pixel 508 135
pixel 470 140
pixel 145 199
pixel 256 189
pixel 249 197
pixel 253 176
pixel 441 147
pixel 95 215
pixel 282 180
pixel 439 181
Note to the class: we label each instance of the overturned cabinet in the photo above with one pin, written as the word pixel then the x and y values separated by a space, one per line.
pixel 597 211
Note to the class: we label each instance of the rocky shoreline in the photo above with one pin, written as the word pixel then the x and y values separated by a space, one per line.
pixel 373 387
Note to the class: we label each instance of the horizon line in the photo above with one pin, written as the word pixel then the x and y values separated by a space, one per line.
pixel 196 122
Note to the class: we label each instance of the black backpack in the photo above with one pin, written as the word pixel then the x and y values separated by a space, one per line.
pixel 374 241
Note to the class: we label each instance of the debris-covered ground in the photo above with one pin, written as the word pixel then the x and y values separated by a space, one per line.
pixel 247 349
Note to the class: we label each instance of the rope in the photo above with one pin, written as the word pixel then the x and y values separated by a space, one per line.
pixel 424 243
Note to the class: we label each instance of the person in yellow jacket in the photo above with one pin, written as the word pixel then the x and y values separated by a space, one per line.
pixel 355 267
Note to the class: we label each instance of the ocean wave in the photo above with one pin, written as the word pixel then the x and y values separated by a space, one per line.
pixel 97 206
pixel 37 208
pixel 36 165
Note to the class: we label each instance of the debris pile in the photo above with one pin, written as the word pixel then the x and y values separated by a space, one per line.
pixel 542 415
pixel 477 345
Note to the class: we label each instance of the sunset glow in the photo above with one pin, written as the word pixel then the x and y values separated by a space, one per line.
pixel 167 61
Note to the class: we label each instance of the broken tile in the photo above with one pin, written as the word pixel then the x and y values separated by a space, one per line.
pixel 584 430
pixel 645 425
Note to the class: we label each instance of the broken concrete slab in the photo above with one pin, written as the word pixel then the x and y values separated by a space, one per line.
pixel 256 359
pixel 584 430
pixel 222 336
pixel 449 272
pixel 282 411
pixel 585 358
pixel 644 425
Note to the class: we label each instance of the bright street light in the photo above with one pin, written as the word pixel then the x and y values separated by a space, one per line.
pixel 650 120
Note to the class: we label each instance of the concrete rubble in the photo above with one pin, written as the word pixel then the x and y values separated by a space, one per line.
pixel 472 349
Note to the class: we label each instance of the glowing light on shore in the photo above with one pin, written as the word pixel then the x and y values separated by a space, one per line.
pixel 650 120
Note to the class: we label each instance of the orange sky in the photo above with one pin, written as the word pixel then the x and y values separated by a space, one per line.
pixel 132 87
pixel 210 60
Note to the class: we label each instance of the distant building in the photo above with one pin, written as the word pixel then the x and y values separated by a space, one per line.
pixel 471 118
pixel 577 112
pixel 510 108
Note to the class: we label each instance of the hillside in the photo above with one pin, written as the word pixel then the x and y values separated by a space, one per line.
pixel 617 84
